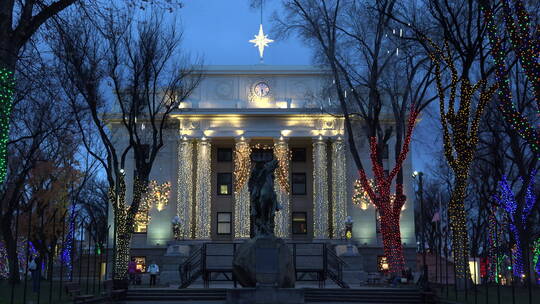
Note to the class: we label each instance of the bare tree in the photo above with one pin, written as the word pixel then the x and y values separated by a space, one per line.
pixel 149 79
pixel 358 41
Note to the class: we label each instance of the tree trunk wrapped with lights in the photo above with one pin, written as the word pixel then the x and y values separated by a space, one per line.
pixel 460 137
pixel 7 85
pixel 527 50
pixel 388 205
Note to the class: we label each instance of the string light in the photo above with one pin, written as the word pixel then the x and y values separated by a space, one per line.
pixel 536 256
pixel 320 190
pixel 460 138
pixel 203 190
pixel 282 219
pixel 155 194
pixel 4 264
pixel 339 191
pixel 528 53
pixel 7 87
pixel 242 170
pixel 184 184
pixel 389 207
pixel 123 233
pixel 67 251
pixel 507 200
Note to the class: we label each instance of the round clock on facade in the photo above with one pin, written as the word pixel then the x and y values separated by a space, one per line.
pixel 261 89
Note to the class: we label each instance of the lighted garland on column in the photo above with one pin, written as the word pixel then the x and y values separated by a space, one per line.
pixel 507 200
pixel 339 191
pixel 184 186
pixel 527 49
pixel 7 87
pixel 282 227
pixel 320 190
pixel 389 207
pixel 460 137
pixel 242 170
pixel 203 187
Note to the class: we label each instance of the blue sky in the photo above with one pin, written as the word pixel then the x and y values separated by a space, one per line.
pixel 219 31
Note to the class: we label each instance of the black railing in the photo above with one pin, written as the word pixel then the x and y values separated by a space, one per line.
pixel 315 262
pixel 192 268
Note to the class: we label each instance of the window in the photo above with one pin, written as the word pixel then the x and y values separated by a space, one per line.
pixel 298 155
pixel 224 183
pixel 224 223
pixel 299 223
pixel 140 262
pixel 298 184
pixel 224 154
pixel 262 155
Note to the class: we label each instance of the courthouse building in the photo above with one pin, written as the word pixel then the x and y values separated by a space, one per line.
pixel 239 114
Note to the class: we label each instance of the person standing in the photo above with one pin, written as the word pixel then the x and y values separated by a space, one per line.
pixel 153 269
pixel 132 269
pixel 34 269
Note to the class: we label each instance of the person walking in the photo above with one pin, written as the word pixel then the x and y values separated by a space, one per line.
pixel 36 275
pixel 153 269
pixel 132 269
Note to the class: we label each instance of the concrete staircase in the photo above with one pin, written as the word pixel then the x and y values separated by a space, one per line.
pixel 312 295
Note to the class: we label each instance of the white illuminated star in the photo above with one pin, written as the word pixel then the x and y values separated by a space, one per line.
pixel 261 40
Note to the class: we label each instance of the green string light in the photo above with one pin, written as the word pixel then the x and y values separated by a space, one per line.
pixel 7 86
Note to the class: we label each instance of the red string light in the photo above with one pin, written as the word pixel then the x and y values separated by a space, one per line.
pixel 380 195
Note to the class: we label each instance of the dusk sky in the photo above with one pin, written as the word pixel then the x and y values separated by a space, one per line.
pixel 219 30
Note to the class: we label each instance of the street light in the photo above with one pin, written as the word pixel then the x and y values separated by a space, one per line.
pixel 419 174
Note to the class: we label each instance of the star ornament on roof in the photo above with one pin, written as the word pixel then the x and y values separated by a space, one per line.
pixel 261 41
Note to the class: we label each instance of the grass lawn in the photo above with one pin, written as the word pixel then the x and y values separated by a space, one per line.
pixel 58 293
pixel 504 293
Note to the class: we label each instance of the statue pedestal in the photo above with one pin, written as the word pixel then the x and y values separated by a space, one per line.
pixel 265 295
pixel 264 261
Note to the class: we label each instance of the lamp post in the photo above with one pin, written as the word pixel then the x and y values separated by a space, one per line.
pixel 420 175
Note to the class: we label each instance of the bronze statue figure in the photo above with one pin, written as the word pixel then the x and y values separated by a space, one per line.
pixel 263 197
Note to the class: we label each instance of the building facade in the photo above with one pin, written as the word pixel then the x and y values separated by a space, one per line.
pixel 241 113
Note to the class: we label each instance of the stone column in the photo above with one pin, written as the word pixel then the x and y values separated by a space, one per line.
pixel 203 194
pixel 184 205
pixel 282 228
pixel 339 189
pixel 320 189
pixel 242 171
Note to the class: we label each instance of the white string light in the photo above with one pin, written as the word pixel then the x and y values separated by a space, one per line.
pixel 242 169
pixel 339 191
pixel 184 184
pixel 203 201
pixel 320 190
pixel 282 219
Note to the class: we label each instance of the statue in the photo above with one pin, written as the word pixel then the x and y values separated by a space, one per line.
pixel 263 197
pixel 264 260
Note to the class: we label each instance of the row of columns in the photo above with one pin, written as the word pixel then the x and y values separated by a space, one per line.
pixel 194 201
